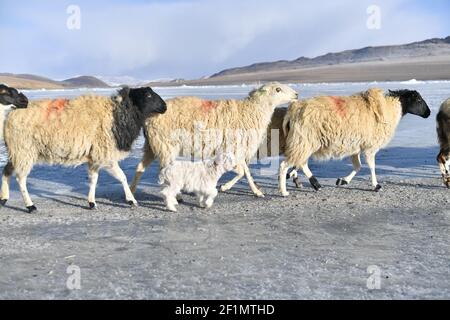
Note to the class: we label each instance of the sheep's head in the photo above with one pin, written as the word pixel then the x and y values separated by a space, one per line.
pixel 145 99
pixel 278 93
pixel 10 96
pixel 226 160
pixel 412 102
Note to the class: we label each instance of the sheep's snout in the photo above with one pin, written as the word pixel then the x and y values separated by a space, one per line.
pixel 161 107
pixel 21 102
pixel 427 113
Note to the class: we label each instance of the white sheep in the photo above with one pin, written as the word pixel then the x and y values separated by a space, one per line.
pixel 336 127
pixel 194 126
pixel 443 132
pixel 95 130
pixel 197 177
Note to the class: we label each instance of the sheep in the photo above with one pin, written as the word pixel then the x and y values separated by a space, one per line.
pixel 278 147
pixel 443 133
pixel 336 127
pixel 90 129
pixel 198 177
pixel 10 99
pixel 194 125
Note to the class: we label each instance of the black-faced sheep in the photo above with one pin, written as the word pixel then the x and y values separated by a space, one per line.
pixel 95 130
pixel 10 99
pixel 336 127
pixel 443 132
pixel 200 127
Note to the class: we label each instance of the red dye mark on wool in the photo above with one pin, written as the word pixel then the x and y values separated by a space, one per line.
pixel 339 106
pixel 56 106
pixel 208 105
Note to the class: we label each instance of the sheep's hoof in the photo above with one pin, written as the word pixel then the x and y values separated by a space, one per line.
pixel 3 202
pixel 341 182
pixel 92 206
pixel 260 195
pixel 172 209
pixel 446 182
pixel 31 209
pixel 377 188
pixel 297 182
pixel 285 194
pixel 133 204
pixel 223 188
pixel 315 183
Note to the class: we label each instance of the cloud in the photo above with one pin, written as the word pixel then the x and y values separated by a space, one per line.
pixel 153 39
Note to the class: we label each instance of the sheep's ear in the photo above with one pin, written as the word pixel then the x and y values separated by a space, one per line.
pixel 124 92
pixel 118 98
pixel 123 95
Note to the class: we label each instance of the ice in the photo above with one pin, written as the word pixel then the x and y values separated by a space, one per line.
pixel 412 81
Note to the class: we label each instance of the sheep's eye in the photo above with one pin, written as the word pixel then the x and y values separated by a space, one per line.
pixel 278 89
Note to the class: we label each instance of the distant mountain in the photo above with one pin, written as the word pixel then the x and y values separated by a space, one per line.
pixel 84 82
pixel 429 48
pixel 30 81
pixel 117 81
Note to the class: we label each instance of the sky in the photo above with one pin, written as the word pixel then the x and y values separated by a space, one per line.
pixel 195 38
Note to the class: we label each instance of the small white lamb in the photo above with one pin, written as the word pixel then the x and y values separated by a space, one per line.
pixel 197 177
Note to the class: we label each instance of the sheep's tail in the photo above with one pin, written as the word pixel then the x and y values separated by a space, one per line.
pixel 442 129
pixel 286 125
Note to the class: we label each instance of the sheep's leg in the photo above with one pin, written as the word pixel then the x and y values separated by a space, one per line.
pixel 370 158
pixel 93 178
pixel 171 203
pixel 210 199
pixel 170 195
pixel 312 179
pixel 251 182
pixel 356 161
pixel 147 159
pixel 443 160
pixel 117 173
pixel 22 181
pixel 6 177
pixel 295 178
pixel 201 200
pixel 284 167
pixel 240 173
